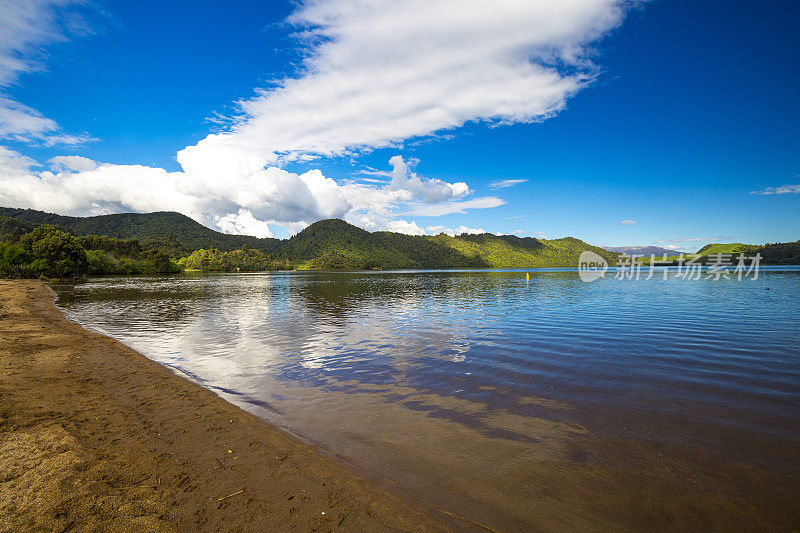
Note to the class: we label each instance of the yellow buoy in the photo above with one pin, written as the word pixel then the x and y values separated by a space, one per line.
pixel 527 276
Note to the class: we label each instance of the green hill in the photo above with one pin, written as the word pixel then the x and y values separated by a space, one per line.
pixel 10 226
pixel 777 253
pixel 173 232
pixel 337 244
pixel 719 248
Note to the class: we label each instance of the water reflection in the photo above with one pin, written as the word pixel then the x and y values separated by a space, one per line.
pixel 516 403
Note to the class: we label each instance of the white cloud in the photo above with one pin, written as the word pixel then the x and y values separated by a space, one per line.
pixel 783 189
pixel 380 72
pixel 403 226
pixel 27 27
pixel 705 240
pixel 436 230
pixel 503 184
pixel 428 190
pixel 627 221
pixel 461 230
pixel 13 163
pixel 243 223
pixel 450 207
pixel 72 162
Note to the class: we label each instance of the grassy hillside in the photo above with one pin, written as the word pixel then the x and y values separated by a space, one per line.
pixel 720 248
pixel 510 251
pixel 173 232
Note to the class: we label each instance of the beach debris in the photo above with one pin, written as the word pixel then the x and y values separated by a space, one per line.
pixel 344 515
pixel 229 495
pixel 140 481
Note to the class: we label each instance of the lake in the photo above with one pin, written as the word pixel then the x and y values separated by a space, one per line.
pixel 547 403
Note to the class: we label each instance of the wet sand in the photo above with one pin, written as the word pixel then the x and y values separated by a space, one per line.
pixel 94 436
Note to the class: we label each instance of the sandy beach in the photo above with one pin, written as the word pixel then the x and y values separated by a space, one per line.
pixel 94 436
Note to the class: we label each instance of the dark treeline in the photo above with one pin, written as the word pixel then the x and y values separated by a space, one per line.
pixel 51 252
pixel 777 253
pixel 214 260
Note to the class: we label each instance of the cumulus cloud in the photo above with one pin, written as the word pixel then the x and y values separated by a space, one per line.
pixel 28 26
pixel 416 188
pixel 782 189
pixel 461 230
pixel 243 223
pixel 271 194
pixel 241 204
pixel 403 226
pixel 504 184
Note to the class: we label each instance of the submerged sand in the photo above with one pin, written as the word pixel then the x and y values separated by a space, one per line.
pixel 94 436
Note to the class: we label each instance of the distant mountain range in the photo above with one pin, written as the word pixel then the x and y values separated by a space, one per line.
pixel 325 244
pixel 641 250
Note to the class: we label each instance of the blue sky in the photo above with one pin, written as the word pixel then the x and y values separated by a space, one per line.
pixel 673 116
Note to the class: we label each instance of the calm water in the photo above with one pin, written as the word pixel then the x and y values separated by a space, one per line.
pixel 541 404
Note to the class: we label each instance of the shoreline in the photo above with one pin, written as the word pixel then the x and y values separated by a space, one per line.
pixel 93 435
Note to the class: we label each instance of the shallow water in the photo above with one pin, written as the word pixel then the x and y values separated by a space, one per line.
pixel 546 404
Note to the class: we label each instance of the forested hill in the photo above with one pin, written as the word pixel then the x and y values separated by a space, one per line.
pixel 327 244
pixel 173 232
pixel 336 244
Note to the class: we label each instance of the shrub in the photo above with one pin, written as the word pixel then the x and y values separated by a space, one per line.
pixel 100 263
pixel 15 261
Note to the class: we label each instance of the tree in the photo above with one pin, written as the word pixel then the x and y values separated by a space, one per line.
pixel 14 261
pixel 55 253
